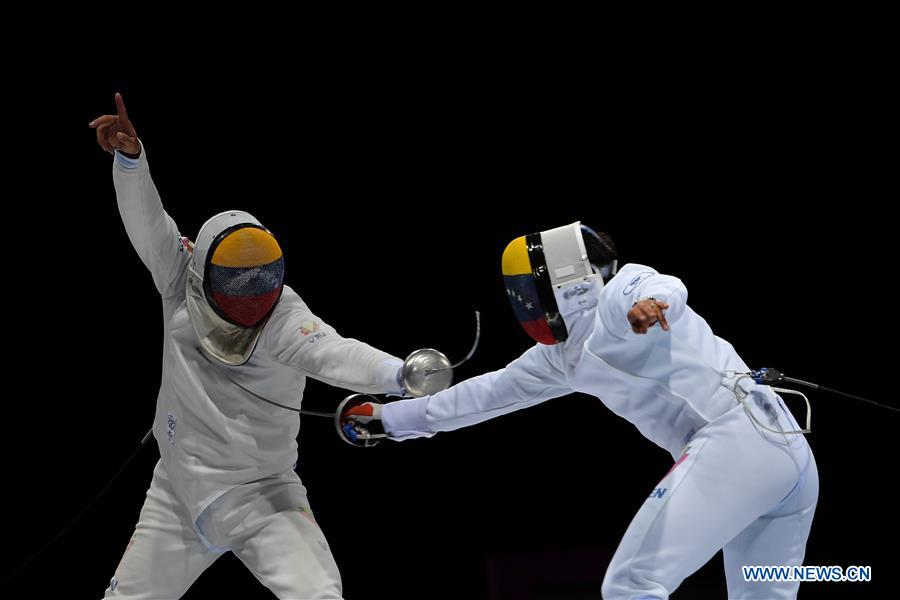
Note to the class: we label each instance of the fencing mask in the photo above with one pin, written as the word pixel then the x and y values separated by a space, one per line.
pixel 536 265
pixel 234 280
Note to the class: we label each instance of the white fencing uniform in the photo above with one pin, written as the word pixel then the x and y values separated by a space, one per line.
pixel 734 485
pixel 225 480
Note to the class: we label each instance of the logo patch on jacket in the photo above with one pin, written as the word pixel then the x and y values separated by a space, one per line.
pixel 637 279
pixel 185 244
pixel 577 290
pixel 308 327
pixel 171 423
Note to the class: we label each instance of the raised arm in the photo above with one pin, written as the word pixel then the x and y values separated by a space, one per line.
pixel 151 230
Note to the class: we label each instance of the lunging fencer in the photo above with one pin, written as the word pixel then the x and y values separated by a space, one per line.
pixel 744 478
pixel 234 335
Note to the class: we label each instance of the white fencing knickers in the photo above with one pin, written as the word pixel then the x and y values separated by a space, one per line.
pixel 736 487
pixel 266 523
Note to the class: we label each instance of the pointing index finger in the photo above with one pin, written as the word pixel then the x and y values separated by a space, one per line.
pixel 120 107
pixel 657 307
pixel 661 318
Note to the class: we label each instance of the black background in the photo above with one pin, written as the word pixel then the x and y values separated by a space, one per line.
pixel 393 190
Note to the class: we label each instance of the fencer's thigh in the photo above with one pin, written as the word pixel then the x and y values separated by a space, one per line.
pixel 165 555
pixel 778 538
pixel 268 525
pixel 729 475
pixel 289 554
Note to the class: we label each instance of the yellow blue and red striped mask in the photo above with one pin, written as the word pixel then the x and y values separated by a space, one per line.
pixel 533 266
pixel 244 274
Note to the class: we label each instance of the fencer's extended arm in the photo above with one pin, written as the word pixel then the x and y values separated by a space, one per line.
pixel 151 230
pixel 300 339
pixel 530 379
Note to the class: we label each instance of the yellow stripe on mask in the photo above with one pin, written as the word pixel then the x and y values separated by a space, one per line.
pixel 247 247
pixel 515 258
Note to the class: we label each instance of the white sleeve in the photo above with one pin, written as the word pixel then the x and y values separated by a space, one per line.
pixel 667 289
pixel 530 379
pixel 297 337
pixel 151 230
pixel 651 284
